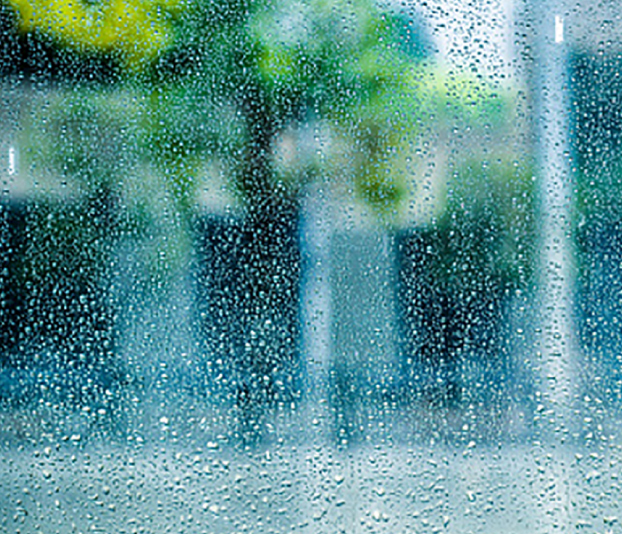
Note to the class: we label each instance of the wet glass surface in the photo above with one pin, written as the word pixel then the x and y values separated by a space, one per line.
pixel 323 266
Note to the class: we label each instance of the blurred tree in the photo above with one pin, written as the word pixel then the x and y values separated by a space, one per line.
pixel 231 80
pixel 257 68
pixel 241 82
pixel 269 71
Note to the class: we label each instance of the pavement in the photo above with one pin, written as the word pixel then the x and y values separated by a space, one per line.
pixel 166 484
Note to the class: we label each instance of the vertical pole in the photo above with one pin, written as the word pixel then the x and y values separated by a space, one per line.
pixel 316 303
pixel 557 345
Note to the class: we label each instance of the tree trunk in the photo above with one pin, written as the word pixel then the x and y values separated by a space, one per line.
pixel 269 279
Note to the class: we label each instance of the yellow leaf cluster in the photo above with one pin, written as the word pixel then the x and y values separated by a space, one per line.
pixel 136 29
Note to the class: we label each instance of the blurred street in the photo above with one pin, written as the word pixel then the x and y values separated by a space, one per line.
pixel 306 489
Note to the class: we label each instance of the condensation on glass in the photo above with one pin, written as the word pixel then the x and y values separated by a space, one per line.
pixel 322 266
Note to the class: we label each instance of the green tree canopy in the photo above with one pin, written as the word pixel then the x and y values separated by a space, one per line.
pixel 256 69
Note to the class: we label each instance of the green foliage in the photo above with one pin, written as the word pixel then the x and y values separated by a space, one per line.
pixel 489 225
pixel 134 30
pixel 280 65
pixel 232 80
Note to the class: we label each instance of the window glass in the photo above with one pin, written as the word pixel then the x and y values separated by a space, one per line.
pixel 320 266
